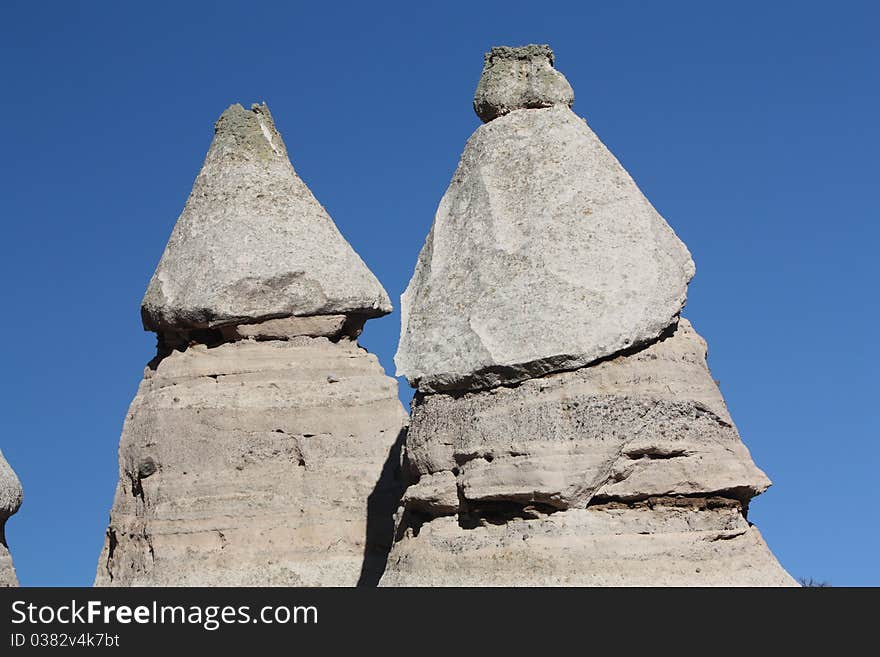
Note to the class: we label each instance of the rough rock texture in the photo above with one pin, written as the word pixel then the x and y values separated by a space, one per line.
pixel 253 243
pixel 544 256
pixel 257 463
pixel 327 326
pixel 10 501
pixel 649 424
pixel 627 472
pixel 520 78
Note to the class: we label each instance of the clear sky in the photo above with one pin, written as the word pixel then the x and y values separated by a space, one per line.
pixel 751 126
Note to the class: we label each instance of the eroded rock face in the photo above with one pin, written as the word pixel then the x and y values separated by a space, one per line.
pixel 672 542
pixel 627 472
pixel 253 243
pixel 646 425
pixel 257 463
pixel 544 256
pixel 520 78
pixel 10 501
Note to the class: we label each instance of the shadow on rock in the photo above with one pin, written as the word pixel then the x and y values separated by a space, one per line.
pixel 381 505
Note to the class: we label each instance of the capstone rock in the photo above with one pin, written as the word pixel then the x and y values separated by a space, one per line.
pixel 253 243
pixel 544 256
pixel 520 78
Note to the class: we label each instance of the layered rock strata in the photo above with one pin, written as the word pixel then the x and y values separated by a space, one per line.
pixel 566 428
pixel 10 501
pixel 262 447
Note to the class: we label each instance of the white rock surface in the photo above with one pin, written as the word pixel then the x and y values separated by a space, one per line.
pixel 10 501
pixel 253 243
pixel 520 78
pixel 257 463
pixel 544 256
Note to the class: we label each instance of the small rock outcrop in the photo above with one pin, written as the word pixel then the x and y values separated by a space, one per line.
pixel 262 447
pixel 520 78
pixel 10 501
pixel 566 428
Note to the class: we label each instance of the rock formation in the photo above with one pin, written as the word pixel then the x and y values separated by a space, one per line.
pixel 517 78
pixel 253 243
pixel 10 501
pixel 566 428
pixel 543 256
pixel 262 447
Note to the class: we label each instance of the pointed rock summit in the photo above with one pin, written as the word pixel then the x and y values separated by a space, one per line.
pixel 544 254
pixel 567 430
pixel 10 501
pixel 253 243
pixel 262 447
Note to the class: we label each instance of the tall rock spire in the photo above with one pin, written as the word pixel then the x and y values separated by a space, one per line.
pixel 262 445
pixel 10 501
pixel 567 430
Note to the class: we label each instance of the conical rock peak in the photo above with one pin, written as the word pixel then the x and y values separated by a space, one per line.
pixel 253 243
pixel 544 256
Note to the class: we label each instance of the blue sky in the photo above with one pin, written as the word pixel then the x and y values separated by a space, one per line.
pixel 751 126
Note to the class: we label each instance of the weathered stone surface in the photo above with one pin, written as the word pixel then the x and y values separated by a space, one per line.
pixel 257 463
pixel 649 424
pixel 436 494
pixel 676 542
pixel 592 466
pixel 253 243
pixel 7 570
pixel 544 256
pixel 520 78
pixel 283 328
pixel 10 501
